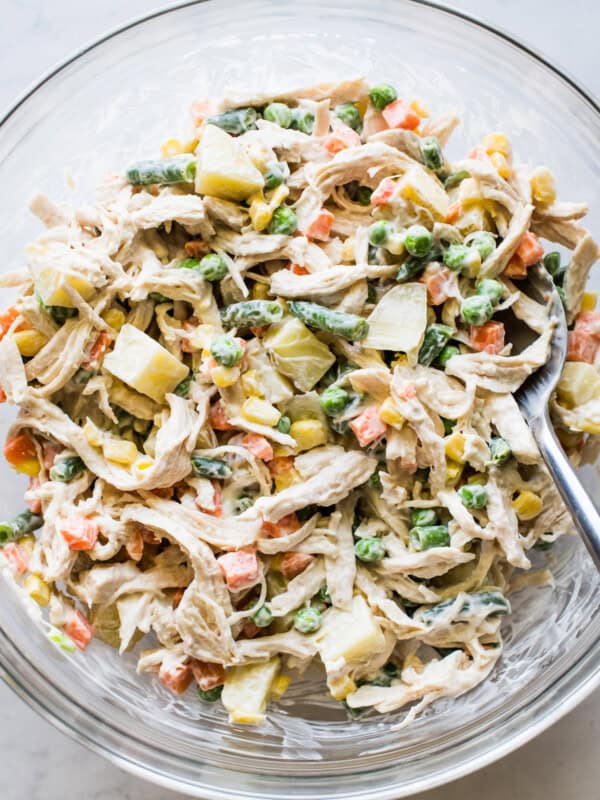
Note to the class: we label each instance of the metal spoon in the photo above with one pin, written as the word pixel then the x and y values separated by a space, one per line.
pixel 533 398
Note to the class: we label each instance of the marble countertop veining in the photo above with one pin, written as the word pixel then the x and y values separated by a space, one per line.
pixel 39 763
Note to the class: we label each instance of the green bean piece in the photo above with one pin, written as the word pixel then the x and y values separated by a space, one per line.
pixel 473 495
pixel 277 173
pixel 204 467
pixel 423 537
pixel 283 221
pixel 262 618
pixel 410 269
pixel 476 310
pixel 500 450
pixel 235 120
pixel 381 679
pixel 334 400
pixel 382 95
pixel 307 620
pixel 456 178
pixel 436 337
pixel 431 153
pixel 210 695
pixel 82 376
pixel 23 523
pixel 323 595
pixel 349 115
pixel 243 503
pixel 455 256
pixel 278 113
pixel 363 195
pixel 226 350
pixel 303 120
pixel 449 425
pixel 7 533
pixel 284 425
pixel 60 314
pixel 251 313
pixel 482 241
pixel 178 169
pixel 157 297
pixel 379 232
pixel 418 241
pixel 390 669
pixel 348 326
pixel 369 549
pixel 562 294
pixel 493 602
pixel 183 389
pixel 420 517
pixel 552 262
pixel 490 288
pixel 447 353
pixel 374 481
pixel 371 292
pixel 211 267
pixel 67 469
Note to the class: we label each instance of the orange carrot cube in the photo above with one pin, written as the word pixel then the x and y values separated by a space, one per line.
pixel 488 338
pixel 79 532
pixel 383 193
pixel 79 630
pixel 283 527
pixel 341 138
pixel 368 426
pixel 400 115
pixel 293 564
pixel 207 675
pixel 258 445
pixel 240 569
pixel 530 249
pixel 437 286
pixel 320 226
pixel 176 677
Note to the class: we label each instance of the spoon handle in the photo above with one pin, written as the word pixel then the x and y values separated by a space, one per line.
pixel 584 513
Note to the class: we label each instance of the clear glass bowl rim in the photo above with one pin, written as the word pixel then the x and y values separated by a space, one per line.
pixel 98 735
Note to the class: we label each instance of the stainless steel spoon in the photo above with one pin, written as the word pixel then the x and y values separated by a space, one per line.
pixel 533 398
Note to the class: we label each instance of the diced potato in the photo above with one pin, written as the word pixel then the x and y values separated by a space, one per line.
pixel 37 588
pixel 142 363
pixel 50 283
pixel 223 169
pixel 247 689
pixel 424 190
pixel 280 686
pixel 578 383
pixel 350 635
pixel 225 376
pixel 340 687
pixel 298 353
pixel 399 320
pixel 472 219
pixel 309 433
pixel 269 383
pixel 260 411
pixel 29 342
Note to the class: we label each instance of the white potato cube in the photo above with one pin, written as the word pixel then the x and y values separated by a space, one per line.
pixel 350 635
pixel 424 190
pixel 246 690
pixel 50 285
pixel 223 169
pixel 408 303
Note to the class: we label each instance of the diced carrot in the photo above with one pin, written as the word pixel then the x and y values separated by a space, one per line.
pixel 200 109
pixel 149 536
pixel 407 392
pixel 176 677
pixel 21 454
pixel 217 418
pixel 453 212
pixel 217 505
pixel 207 675
pixel 283 527
pixel 280 464
pixel 79 630
pixel 341 138
pixel 293 563
pixel 2 395
pixel 99 347
pixel 6 320
pixel 437 286
pixel 196 248
pixel 79 532
pixel 383 193
pixel 166 492
pixel 298 270
pixel 582 347
pixel 177 597
pixel 530 249
pixel 515 268
pixel 250 630
pixel 320 226
pixel 368 426
pixel 35 504
pixel 240 569
pixel 400 115
pixel 16 557
pixel 49 452
pixel 488 338
pixel 134 546
pixel 258 445
pixel 588 323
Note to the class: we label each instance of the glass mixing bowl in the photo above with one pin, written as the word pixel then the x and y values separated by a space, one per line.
pixel 114 103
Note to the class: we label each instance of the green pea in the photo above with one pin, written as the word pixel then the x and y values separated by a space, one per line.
pixel 369 549
pixel 284 425
pixel 349 115
pixel 235 120
pixel 447 353
pixel 431 153
pixel 283 221
pixel 455 256
pixel 473 495
pixel 456 178
pixel 423 516
pixel 418 241
pixel 379 232
pixel 382 95
pixel 213 267
pixel 262 618
pixel 210 695
pixel 67 469
pixel 491 289
pixel 226 350
pixel 323 595
pixel 484 242
pixel 303 120
pixel 277 173
pixel 552 262
pixel 500 450
pixel 204 467
pixel 307 620
pixel 278 113
pixel 363 195
pixel 423 537
pixel 334 400
pixel 476 310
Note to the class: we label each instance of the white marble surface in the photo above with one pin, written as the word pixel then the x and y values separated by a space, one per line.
pixel 40 763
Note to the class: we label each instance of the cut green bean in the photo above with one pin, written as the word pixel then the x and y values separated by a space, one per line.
pixel 436 337
pixel 431 153
pixel 67 469
pixel 179 169
pixel 423 537
pixel 363 195
pixel 491 602
pixel 23 523
pixel 235 120
pixel 369 549
pixel 226 350
pixel 456 178
pixel 349 326
pixel 410 269
pixel 183 389
pixel 204 467
pixel 473 495
pixel 211 695
pixel 251 313
pixel 423 516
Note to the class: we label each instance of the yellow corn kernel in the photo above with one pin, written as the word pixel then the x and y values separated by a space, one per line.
pixel 455 447
pixel 37 589
pixel 174 147
pixel 92 433
pixel 390 414
pixel 29 342
pixel 279 686
pixel 500 164
pixel 115 318
pixel 478 478
pixel 260 214
pixel 362 106
pixel 144 463
pixel 309 433
pixel 251 384
pixel 341 687
pixel 260 291
pixel 286 479
pixel 120 452
pixel 589 301
pixel 201 336
pixel 527 505
pixel 419 108
pixel 225 376
pixel 497 143
pixel 348 249
pixel 453 472
pixel 282 451
pixel 260 411
pixel 543 185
